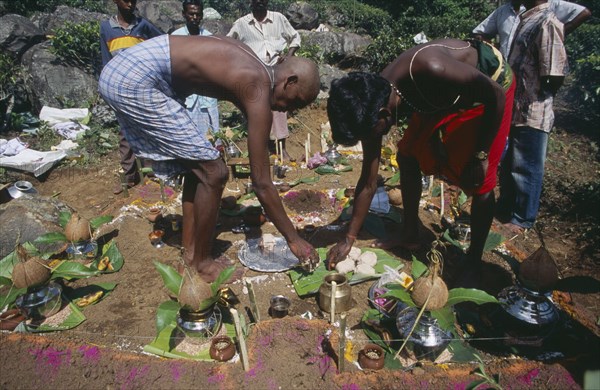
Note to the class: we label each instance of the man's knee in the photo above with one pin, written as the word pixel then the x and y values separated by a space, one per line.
pixel 217 173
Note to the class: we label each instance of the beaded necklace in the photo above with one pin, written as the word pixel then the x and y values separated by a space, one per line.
pixel 435 108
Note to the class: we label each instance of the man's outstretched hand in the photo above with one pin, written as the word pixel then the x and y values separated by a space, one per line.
pixel 337 253
pixel 306 253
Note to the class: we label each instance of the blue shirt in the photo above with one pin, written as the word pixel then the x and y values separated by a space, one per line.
pixel 114 38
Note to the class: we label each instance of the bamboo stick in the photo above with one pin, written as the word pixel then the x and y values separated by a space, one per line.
pixel 332 305
pixel 240 336
pixel 342 346
pixel 253 305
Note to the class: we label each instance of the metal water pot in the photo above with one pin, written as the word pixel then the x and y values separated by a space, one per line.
pixel 333 156
pixel 343 293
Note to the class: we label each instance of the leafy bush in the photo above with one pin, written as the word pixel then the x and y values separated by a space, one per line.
pixel 583 46
pixel 355 15
pixel 385 47
pixel 9 73
pixel 78 44
pixel 28 7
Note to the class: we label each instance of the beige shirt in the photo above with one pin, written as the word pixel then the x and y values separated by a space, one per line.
pixel 538 51
pixel 269 38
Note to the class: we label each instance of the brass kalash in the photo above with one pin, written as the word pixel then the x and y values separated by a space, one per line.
pixel 198 326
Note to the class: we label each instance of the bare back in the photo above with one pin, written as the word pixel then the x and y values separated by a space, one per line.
pixel 219 67
pixel 437 72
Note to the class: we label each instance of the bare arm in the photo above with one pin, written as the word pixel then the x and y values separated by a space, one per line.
pixel 577 21
pixel 259 124
pixel 365 189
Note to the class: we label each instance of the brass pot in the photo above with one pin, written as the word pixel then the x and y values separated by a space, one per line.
pixel 343 293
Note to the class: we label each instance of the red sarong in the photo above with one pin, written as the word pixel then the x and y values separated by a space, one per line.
pixel 458 139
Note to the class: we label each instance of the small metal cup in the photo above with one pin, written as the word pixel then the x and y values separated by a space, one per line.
pixel 280 306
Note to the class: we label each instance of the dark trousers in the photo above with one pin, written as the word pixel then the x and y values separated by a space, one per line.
pixel 128 163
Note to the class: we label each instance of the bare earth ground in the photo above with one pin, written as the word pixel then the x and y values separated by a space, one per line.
pixel 105 351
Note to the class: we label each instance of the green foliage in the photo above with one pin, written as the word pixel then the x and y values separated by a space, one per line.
pixel 9 73
pixel 583 46
pixel 385 48
pixel 44 139
pixel 98 141
pixel 28 7
pixel 78 44
pixel 358 16
pixel 487 381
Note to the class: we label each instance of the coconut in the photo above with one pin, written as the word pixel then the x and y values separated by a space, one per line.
pixel 193 291
pixel 30 273
pixel 78 229
pixel 422 288
pixel 395 196
pixel 538 272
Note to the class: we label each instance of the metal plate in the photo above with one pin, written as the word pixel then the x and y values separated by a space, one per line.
pixel 279 260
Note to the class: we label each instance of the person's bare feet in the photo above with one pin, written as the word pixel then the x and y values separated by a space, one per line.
pixel 209 270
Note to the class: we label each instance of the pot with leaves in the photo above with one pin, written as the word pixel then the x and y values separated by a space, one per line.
pixel 29 272
pixel 199 316
pixel 41 299
pixel 426 319
pixel 78 232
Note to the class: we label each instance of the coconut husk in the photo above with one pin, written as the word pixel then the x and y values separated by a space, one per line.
pixel 30 273
pixel 78 229
pixel 538 272
pixel 193 291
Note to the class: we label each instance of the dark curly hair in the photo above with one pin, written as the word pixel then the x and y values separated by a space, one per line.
pixel 353 104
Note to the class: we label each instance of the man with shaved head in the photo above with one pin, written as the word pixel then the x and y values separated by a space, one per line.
pixel 146 89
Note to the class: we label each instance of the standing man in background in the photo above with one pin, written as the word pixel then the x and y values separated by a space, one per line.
pixel 203 110
pixel 504 20
pixel 268 34
pixel 539 60
pixel 121 31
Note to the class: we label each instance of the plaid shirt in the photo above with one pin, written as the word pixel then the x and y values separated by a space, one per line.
pixel 538 51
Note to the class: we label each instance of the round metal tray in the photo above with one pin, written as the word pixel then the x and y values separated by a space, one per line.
pixel 279 260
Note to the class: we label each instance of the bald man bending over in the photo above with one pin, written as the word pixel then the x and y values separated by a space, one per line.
pixel 146 85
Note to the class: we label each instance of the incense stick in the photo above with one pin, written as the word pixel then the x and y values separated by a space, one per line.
pixel 332 308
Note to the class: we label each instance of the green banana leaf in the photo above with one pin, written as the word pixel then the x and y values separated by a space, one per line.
pixel 170 277
pixel 166 314
pixel 114 255
pixel 305 180
pixel 10 297
pixel 73 320
pixel 96 222
pixel 81 292
pixel 308 283
pixel 329 170
pixel 479 297
pixel 396 291
pixel 4 281
pixel 445 318
pixel 63 218
pixel 418 268
pixel 9 261
pixel 50 238
pixel 71 270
